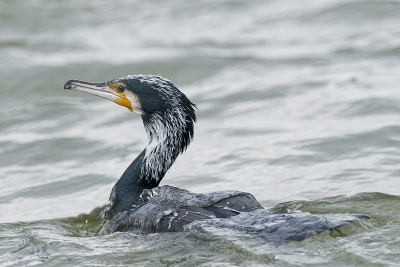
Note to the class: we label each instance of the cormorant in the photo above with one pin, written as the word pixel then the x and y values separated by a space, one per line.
pixel 138 204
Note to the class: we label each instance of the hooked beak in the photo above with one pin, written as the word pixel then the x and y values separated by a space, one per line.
pixel 101 90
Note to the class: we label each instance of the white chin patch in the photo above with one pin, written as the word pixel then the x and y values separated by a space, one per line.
pixel 134 99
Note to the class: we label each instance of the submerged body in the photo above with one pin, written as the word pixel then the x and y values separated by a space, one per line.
pixel 169 209
pixel 138 204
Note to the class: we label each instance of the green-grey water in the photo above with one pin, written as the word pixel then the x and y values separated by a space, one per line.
pixel 298 104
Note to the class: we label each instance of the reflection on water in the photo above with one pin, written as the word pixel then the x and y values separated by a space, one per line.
pixel 297 102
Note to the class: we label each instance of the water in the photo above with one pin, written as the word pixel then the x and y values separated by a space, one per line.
pixel 298 102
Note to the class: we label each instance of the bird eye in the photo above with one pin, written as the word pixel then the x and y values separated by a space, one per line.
pixel 121 88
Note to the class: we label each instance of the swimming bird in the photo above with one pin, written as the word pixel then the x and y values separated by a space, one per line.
pixel 137 203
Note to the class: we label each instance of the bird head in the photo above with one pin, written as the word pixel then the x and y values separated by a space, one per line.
pixel 142 94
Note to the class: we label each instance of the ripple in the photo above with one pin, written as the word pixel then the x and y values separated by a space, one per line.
pixel 360 11
pixel 371 106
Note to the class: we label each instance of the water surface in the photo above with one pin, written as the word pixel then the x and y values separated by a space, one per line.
pixel 298 102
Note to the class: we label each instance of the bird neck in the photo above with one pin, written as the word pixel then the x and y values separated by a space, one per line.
pixel 167 138
pixel 128 188
pixel 165 142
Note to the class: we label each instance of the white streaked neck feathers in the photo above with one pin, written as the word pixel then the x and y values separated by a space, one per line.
pixel 165 134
